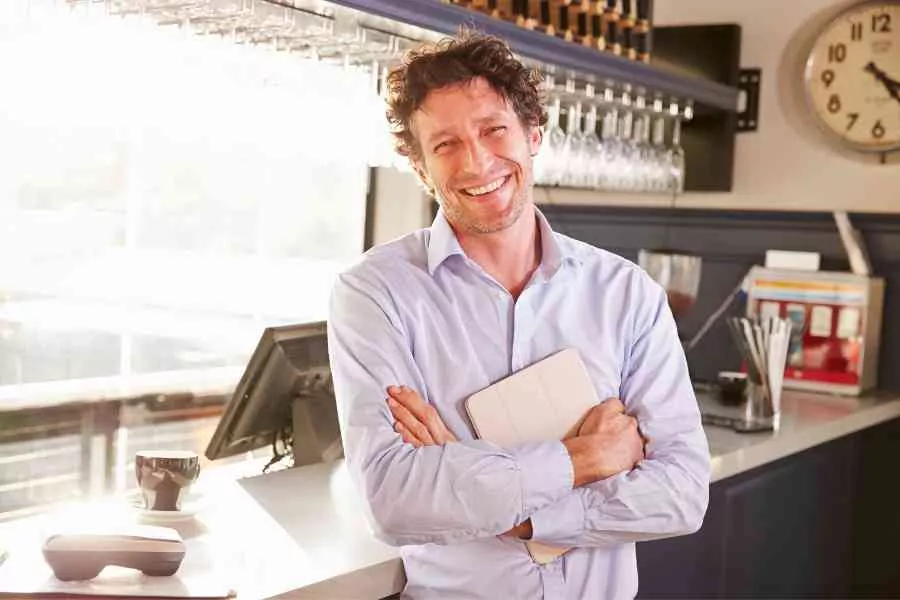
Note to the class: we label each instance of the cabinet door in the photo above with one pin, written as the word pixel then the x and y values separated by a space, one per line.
pixel 688 566
pixel 783 530
pixel 876 553
pixel 788 527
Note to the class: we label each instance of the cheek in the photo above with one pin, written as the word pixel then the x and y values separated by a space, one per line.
pixel 441 170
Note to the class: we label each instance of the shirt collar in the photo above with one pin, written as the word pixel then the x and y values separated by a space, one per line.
pixel 443 244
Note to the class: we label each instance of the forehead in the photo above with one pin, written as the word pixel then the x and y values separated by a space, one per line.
pixel 458 105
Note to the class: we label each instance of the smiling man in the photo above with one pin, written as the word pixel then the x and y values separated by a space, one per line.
pixel 423 322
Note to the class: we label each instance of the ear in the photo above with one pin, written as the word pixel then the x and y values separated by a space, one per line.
pixel 535 138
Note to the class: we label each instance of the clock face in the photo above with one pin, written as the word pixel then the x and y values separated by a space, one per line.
pixel 853 77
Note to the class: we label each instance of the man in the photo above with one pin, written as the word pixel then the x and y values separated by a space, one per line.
pixel 423 322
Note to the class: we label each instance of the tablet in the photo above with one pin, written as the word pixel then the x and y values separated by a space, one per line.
pixel 547 400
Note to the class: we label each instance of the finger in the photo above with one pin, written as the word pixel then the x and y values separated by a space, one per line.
pixel 411 399
pixel 424 412
pixel 612 405
pixel 407 435
pixel 639 449
pixel 409 420
pixel 639 454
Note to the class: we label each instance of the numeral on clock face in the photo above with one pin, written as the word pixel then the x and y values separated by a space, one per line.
pixel 853 77
pixel 881 23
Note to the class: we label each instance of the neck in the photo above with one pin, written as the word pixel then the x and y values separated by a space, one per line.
pixel 510 256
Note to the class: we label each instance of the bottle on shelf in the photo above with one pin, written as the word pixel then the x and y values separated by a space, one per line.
pixel 613 37
pixel 545 21
pixel 563 29
pixel 626 25
pixel 643 31
pixel 597 34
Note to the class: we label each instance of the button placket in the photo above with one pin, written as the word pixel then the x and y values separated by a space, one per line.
pixel 522 323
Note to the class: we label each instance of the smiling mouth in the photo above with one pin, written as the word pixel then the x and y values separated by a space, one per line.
pixel 487 188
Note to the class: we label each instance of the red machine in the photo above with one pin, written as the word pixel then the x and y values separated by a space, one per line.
pixel 836 325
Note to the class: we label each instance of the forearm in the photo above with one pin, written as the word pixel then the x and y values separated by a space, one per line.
pixel 461 491
pixel 665 496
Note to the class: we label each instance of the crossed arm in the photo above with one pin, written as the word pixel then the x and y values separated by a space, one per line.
pixel 579 492
pixel 419 424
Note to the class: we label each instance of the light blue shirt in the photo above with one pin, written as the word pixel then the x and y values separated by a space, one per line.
pixel 418 312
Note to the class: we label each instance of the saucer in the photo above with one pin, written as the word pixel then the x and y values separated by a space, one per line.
pixel 190 506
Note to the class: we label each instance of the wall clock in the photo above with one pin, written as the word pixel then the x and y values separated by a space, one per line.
pixel 852 77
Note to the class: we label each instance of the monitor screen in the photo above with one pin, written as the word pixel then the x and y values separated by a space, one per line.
pixel 285 394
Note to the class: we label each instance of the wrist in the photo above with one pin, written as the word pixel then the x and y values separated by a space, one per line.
pixel 581 467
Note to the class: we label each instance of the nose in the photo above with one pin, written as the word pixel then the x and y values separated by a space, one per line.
pixel 477 157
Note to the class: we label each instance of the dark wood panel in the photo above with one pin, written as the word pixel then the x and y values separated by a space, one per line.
pixel 876 558
pixel 689 566
pixel 782 530
pixel 788 528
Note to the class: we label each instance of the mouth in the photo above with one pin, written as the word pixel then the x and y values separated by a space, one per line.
pixel 484 190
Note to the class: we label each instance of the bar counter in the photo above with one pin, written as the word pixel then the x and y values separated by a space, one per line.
pixel 303 532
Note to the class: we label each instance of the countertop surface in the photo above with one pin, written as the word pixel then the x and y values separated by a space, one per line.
pixel 807 419
pixel 303 532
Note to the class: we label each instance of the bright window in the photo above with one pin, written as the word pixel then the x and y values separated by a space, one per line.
pixel 164 195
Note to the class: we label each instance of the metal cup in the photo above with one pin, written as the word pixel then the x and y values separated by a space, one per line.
pixel 165 476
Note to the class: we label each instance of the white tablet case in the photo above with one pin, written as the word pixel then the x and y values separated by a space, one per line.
pixel 544 401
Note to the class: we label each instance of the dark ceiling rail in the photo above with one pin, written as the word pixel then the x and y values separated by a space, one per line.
pixel 447 19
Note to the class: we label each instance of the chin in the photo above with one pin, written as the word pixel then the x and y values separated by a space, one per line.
pixel 503 220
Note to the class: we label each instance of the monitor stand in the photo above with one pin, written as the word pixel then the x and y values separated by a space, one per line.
pixel 316 434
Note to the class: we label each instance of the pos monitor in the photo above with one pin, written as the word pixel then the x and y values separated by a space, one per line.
pixel 284 398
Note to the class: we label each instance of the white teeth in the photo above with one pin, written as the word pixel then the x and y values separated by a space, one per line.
pixel 485 189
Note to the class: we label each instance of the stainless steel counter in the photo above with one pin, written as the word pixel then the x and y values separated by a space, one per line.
pixel 807 419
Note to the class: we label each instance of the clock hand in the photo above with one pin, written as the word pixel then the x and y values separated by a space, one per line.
pixel 893 87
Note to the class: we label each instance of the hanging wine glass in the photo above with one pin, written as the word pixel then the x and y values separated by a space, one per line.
pixel 573 146
pixel 592 150
pixel 644 154
pixel 675 155
pixel 554 142
pixel 658 149
pixel 627 146
pixel 607 177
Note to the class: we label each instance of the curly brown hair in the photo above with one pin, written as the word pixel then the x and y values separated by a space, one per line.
pixel 458 60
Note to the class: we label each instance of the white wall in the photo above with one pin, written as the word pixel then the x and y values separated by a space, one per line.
pixel 786 164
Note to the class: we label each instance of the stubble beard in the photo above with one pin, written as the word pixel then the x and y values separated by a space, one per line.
pixel 461 218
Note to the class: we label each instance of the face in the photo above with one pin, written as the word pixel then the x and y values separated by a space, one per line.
pixel 476 155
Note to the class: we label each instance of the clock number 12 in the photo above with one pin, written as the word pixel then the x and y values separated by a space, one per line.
pixel 881 23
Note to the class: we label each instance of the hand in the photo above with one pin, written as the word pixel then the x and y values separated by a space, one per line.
pixel 417 422
pixel 522 531
pixel 608 443
pixel 893 86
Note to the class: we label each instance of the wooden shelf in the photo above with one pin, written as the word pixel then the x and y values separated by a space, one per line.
pixel 597 67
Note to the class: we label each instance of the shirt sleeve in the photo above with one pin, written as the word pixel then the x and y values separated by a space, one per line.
pixel 434 494
pixel 668 493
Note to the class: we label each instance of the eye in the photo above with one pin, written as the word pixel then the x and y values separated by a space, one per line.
pixel 496 130
pixel 442 146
